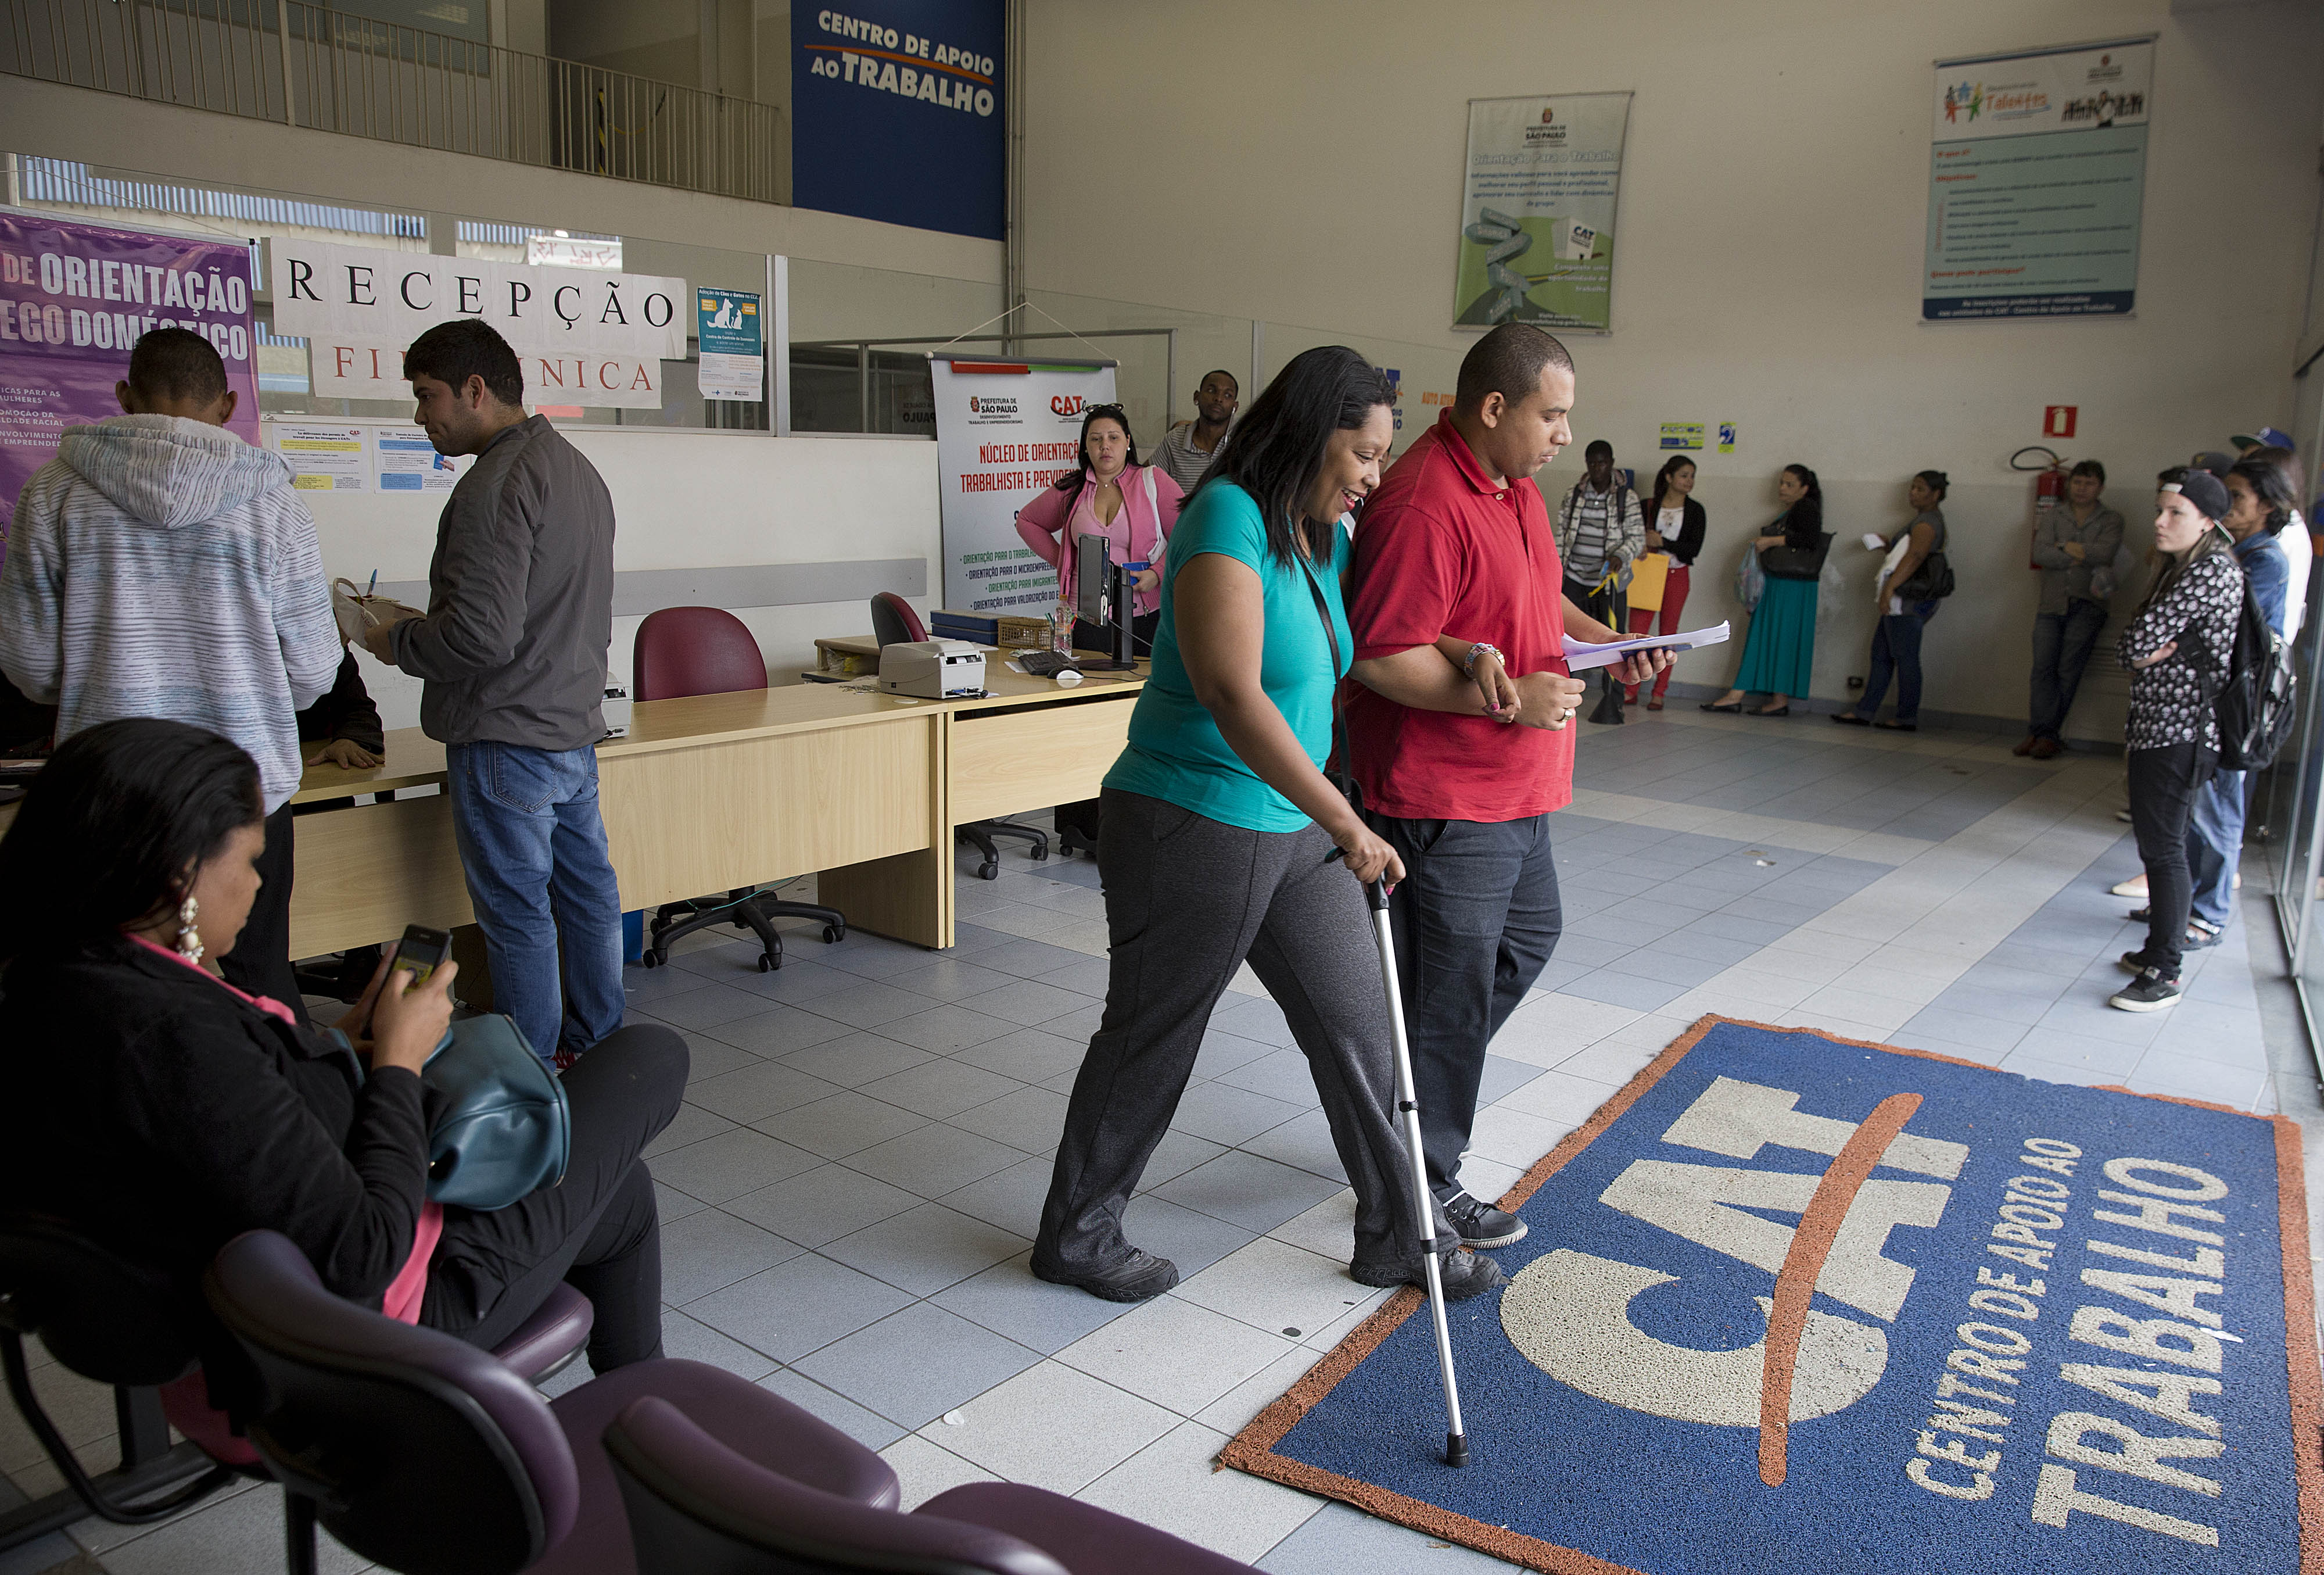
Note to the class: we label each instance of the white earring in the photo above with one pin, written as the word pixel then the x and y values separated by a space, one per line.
pixel 189 939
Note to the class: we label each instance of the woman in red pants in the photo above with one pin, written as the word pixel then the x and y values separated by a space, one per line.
pixel 1675 524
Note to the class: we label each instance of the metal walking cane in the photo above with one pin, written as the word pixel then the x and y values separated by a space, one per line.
pixel 1407 1102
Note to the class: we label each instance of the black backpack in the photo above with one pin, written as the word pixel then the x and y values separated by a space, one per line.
pixel 2254 703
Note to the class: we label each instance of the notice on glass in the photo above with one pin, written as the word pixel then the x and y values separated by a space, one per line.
pixel 728 326
pixel 406 461
pixel 1538 211
pixel 323 456
pixel 2036 173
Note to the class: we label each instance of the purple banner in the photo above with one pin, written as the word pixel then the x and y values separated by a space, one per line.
pixel 73 300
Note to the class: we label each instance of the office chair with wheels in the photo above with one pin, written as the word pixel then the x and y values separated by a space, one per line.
pixel 694 1503
pixel 894 623
pixel 695 651
pixel 426 1455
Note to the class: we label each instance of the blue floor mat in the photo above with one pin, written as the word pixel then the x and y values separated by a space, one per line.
pixel 2021 1326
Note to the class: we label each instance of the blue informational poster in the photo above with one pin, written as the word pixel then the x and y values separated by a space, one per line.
pixel 2036 173
pixel 729 328
pixel 897 113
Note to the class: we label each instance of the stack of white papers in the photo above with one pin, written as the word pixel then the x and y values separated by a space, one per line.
pixel 1580 656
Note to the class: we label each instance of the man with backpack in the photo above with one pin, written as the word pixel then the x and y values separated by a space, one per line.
pixel 2251 706
pixel 1601 532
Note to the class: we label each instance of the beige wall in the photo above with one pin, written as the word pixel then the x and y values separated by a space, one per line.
pixel 1300 162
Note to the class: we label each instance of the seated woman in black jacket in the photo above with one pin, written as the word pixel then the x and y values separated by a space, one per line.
pixel 164 1112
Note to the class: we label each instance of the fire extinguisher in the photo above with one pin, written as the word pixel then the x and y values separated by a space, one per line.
pixel 2049 488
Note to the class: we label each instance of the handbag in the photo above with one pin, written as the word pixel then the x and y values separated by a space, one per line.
pixel 500 1126
pixel 1790 562
pixel 1933 580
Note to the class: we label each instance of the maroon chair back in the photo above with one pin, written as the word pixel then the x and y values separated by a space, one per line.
pixel 893 621
pixel 690 651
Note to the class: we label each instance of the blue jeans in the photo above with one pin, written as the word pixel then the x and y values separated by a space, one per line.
pixel 533 848
pixel 2215 844
pixel 2062 649
pixel 1896 648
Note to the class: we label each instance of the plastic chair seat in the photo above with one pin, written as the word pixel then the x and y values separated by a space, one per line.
pixel 759 1425
pixel 1083 1538
pixel 552 1337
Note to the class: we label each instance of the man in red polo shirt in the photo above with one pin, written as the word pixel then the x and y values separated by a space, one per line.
pixel 1456 559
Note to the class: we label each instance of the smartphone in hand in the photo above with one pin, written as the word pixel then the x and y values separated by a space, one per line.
pixel 421 952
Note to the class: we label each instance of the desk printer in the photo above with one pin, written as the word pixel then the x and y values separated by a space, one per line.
pixel 933 670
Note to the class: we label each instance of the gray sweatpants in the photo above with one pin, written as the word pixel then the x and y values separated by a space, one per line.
pixel 1187 899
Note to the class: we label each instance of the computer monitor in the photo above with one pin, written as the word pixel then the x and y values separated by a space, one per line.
pixel 1089 577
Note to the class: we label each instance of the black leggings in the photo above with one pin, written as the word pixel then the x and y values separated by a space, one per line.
pixel 597 1231
pixel 2163 784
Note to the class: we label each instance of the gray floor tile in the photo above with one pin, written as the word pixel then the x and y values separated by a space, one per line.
pixel 1222 1052
pixel 706 1008
pixel 1008 1300
pixel 683 1336
pixel 856 1059
pixel 1028 1003
pixel 1030 1055
pixel 942 1088
pixel 1281 1074
pixel 867 1004
pixel 691 1125
pixel 925 1248
pixel 754 1092
pixel 844 1124
pixel 707 1058
pixel 935 1160
pixel 1620 989
pixel 1733 926
pixel 918 1364
pixel 1253 1017
pixel 2161 1072
pixel 1175 1155
pixel 1340 1541
pixel 947 1030
pixel 1188 1237
pixel 1503 1076
pixel 820 1206
pixel 1245 1189
pixel 797 1306
pixel 669 1203
pixel 867 1428
pixel 778 1030
pixel 947 978
pixel 1031 1119
pixel 1986 1033
pixel 1010 1198
pixel 1025 960
pixel 1303 1143
pixel 872 957
pixel 1228 1114
pixel 710 1250
pixel 1590 953
pixel 730 1165
pixel 800 979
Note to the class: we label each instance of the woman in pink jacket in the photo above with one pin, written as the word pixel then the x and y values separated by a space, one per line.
pixel 1109 493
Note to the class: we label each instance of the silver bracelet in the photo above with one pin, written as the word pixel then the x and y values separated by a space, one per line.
pixel 1468 668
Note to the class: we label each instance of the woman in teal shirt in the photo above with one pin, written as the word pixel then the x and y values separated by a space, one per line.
pixel 1216 830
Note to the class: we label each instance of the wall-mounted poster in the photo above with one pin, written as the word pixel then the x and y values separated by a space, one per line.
pixel 1538 211
pixel 75 299
pixel 729 330
pixel 2036 177
pixel 1005 430
pixel 898 113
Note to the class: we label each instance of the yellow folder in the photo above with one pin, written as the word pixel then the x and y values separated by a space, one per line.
pixel 1646 578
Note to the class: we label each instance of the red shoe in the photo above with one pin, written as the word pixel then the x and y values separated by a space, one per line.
pixel 1654 704
pixel 565 1060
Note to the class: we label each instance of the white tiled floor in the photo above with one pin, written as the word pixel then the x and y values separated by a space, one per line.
pixel 851 1189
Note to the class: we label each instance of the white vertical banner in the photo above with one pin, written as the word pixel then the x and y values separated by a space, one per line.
pixel 1005 430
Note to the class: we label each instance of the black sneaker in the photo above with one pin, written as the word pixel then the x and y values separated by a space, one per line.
pixel 2134 962
pixel 1480 1224
pixel 1464 1274
pixel 1139 1277
pixel 2149 992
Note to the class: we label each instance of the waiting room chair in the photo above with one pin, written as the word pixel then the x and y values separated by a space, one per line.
pixel 695 1504
pixel 116 1321
pixel 695 651
pixel 426 1455
pixel 108 1320
pixel 894 623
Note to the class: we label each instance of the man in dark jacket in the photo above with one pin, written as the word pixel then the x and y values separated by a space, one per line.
pixel 512 647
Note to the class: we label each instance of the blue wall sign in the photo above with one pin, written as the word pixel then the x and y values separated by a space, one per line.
pixel 897 113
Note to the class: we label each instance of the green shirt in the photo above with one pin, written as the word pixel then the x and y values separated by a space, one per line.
pixel 1177 753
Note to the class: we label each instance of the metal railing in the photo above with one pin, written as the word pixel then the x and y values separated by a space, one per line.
pixel 353 75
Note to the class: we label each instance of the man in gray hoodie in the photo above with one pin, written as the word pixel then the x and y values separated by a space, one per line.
pixel 160 566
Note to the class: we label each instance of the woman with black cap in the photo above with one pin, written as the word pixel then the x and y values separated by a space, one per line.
pixel 2182 637
pixel 1907 577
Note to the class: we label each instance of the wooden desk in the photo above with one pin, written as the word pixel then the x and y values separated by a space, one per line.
pixel 1031 744
pixel 705 794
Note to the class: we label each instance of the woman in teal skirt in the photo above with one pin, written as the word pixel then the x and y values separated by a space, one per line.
pixel 1779 654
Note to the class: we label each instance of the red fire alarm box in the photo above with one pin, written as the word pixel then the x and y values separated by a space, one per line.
pixel 2058 420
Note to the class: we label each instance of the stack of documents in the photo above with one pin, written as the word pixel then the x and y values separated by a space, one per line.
pixel 1580 656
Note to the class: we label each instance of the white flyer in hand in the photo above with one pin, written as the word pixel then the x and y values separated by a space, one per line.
pixel 1580 656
